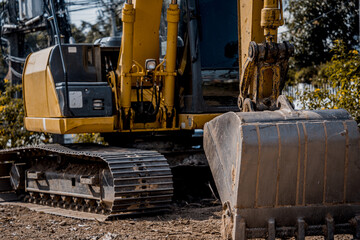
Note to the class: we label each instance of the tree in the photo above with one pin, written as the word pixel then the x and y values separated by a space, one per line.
pixel 342 74
pixel 110 15
pixel 77 34
pixel 89 138
pixel 98 30
pixel 12 130
pixel 315 25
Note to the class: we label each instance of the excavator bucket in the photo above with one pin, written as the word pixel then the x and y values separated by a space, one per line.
pixel 286 173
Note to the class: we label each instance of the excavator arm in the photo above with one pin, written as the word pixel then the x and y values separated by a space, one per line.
pixel 265 62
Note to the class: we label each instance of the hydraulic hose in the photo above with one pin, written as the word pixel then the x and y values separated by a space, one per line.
pixel 58 39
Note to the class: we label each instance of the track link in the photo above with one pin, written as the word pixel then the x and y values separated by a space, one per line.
pixel 110 181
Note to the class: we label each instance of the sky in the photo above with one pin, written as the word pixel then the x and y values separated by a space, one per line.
pixel 89 15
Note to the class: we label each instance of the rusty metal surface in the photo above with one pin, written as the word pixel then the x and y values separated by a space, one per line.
pixel 57 211
pixel 8 197
pixel 263 76
pixel 5 184
pixel 286 166
pixel 106 180
pixel 5 169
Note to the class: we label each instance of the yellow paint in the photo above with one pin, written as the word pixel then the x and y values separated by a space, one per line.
pixel 195 121
pixel 268 82
pixel 250 18
pixel 173 16
pixel 70 125
pixel 126 58
pixel 271 19
pixel 52 98
pixel 150 130
pixel 40 96
pixel 140 41
pixel 146 30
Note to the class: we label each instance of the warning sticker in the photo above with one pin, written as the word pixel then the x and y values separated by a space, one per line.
pixel 75 99
pixel 72 49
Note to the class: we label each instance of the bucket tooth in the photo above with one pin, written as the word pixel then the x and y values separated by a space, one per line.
pixel 239 231
pixel 357 227
pixel 271 229
pixel 330 228
pixel 300 235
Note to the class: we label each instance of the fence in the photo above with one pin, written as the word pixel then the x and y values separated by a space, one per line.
pixel 296 91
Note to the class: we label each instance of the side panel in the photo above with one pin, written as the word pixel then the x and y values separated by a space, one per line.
pixel 35 84
pixel 70 125
pixel 52 98
pixel 39 90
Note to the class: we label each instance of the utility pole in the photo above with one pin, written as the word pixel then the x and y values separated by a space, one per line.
pixel 16 50
pixel 113 19
pixel 16 42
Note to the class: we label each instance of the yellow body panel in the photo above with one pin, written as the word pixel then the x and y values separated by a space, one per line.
pixel 146 30
pixel 250 28
pixel 70 125
pixel 39 90
pixel 52 99
pixel 173 15
pixel 195 121
pixel 126 57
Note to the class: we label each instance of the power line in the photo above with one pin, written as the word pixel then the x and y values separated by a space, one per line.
pixel 309 22
pixel 80 5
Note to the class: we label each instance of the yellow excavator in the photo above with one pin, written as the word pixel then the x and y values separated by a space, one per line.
pixel 182 66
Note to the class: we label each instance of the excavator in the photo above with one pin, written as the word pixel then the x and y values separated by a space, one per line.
pixel 184 66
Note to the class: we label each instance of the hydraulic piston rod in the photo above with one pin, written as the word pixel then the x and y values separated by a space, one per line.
pixel 271 19
pixel 173 15
pixel 126 60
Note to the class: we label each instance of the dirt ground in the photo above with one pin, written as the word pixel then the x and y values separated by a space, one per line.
pixel 192 221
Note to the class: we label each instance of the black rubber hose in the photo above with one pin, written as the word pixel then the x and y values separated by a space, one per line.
pixel 56 26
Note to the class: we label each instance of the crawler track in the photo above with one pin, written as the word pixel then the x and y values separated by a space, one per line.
pixel 108 181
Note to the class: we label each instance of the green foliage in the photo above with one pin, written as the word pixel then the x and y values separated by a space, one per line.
pixel 3 71
pixel 12 130
pixel 312 74
pixel 314 25
pixel 90 138
pixel 342 74
pixel 77 34
pixel 100 29
pixel 36 41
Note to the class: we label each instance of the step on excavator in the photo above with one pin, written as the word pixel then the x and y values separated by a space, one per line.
pixel 183 66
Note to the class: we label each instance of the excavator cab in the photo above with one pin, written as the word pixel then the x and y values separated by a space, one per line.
pixel 209 61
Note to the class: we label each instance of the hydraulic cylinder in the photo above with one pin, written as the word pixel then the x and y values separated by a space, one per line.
pixel 173 15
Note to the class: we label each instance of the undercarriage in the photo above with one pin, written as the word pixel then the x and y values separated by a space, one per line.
pixel 110 181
